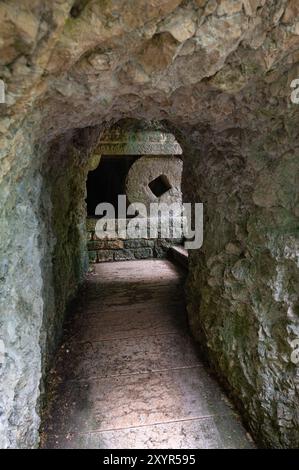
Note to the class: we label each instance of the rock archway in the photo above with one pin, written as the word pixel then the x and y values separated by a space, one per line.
pixel 217 75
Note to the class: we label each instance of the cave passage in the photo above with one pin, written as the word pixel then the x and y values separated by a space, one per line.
pixel 205 92
pixel 128 374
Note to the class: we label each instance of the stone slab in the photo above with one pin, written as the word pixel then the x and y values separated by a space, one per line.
pixel 138 399
pixel 126 356
pixel 128 373
pixel 125 322
pixel 216 432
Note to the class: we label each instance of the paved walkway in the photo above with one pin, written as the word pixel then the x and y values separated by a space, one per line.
pixel 128 374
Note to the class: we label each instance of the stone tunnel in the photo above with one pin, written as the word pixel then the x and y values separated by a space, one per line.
pixel 215 75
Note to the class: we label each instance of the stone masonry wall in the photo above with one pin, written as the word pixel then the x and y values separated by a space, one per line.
pixel 116 249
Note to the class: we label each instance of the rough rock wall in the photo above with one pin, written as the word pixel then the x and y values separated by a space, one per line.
pixel 243 286
pixel 22 245
pixel 218 71
pixel 65 167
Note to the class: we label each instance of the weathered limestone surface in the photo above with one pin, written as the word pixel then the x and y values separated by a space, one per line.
pixel 217 73
pixel 145 170
pixel 246 315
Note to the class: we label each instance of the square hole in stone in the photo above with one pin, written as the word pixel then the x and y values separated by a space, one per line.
pixel 160 185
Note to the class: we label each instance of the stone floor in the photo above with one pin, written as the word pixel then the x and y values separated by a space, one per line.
pixel 128 374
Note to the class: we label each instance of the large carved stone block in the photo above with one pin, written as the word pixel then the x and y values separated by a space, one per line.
pixel 155 179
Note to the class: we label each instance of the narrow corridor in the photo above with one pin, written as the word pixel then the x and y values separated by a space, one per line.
pixel 128 374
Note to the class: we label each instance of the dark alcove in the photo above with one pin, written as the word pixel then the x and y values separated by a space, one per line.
pixel 107 181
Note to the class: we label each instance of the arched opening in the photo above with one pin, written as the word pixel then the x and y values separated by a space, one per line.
pixel 141 173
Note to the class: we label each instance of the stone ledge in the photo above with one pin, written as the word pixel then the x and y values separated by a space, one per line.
pixel 180 255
